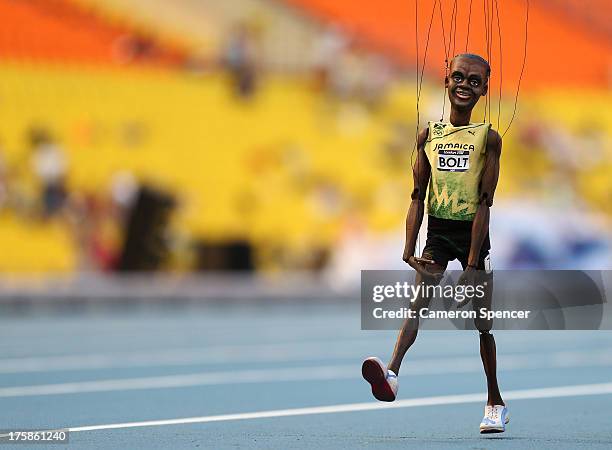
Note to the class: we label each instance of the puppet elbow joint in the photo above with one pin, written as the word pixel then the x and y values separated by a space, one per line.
pixel 418 194
pixel 486 199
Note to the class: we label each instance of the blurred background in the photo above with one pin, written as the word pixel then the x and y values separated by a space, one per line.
pixel 268 137
pixel 189 190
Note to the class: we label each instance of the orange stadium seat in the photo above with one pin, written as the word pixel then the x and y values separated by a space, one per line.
pixel 553 34
pixel 57 30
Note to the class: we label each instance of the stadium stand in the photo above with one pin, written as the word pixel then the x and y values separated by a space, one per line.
pixel 285 35
pixel 287 169
pixel 60 31
pixel 555 33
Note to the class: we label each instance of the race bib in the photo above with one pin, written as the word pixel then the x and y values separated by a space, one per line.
pixel 453 160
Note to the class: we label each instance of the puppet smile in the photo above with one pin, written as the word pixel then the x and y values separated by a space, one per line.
pixel 464 95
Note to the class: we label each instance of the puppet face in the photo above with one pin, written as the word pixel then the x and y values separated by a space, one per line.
pixel 467 82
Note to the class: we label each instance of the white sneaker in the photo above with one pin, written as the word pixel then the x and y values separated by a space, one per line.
pixel 383 381
pixel 495 419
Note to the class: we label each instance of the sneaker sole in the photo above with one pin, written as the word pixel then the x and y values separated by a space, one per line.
pixel 494 430
pixel 491 430
pixel 374 374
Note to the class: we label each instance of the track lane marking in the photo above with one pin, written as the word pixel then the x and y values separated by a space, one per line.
pixel 437 366
pixel 176 357
pixel 522 394
pixel 244 353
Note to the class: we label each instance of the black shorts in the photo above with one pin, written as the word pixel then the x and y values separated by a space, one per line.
pixel 451 239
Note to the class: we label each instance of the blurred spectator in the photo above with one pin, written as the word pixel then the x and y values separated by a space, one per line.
pixel 328 49
pixel 397 149
pixel 133 47
pixel 349 73
pixel 240 58
pixel 326 199
pixel 94 231
pixel 99 220
pixel 345 71
pixel 50 166
pixel 379 75
pixel 124 188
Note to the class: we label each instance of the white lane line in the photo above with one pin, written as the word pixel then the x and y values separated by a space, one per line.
pixel 438 366
pixel 177 381
pixel 280 352
pixel 524 394
pixel 185 355
pixel 285 352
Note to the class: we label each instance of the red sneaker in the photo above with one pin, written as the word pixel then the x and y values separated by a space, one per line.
pixel 383 381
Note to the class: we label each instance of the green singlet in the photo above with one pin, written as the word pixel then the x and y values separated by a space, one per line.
pixel 456 156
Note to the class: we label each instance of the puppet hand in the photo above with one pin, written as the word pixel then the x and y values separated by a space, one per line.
pixel 420 265
pixel 467 278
